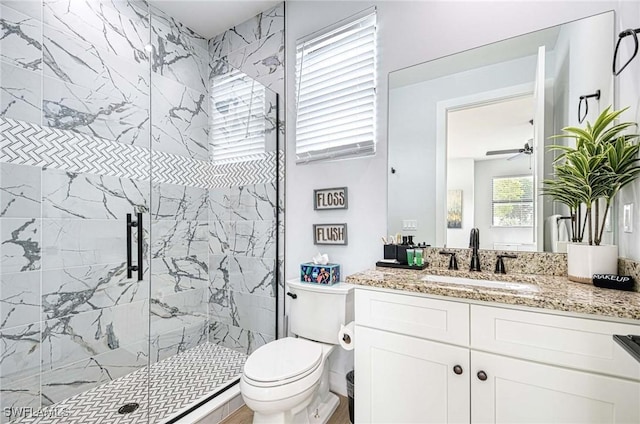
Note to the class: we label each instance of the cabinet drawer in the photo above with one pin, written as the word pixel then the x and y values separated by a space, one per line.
pixel 414 316
pixel 572 342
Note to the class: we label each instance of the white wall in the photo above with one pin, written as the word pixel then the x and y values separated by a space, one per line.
pixel 581 41
pixel 485 171
pixel 410 33
pixel 460 176
pixel 412 187
pixel 575 49
pixel 628 94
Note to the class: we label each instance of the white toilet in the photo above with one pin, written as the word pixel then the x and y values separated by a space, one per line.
pixel 287 380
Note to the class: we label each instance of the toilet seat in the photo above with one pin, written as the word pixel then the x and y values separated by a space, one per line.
pixel 282 362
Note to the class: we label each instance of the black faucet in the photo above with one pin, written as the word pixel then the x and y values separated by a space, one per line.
pixel 474 243
pixel 500 268
pixel 453 262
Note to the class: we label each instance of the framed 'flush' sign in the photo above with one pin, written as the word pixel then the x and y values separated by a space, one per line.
pixel 330 198
pixel 334 234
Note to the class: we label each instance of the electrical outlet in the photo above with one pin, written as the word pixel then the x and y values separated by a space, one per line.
pixel 410 225
pixel 627 218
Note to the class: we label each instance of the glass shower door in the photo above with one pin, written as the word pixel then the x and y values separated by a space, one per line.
pixel 138 212
pixel 74 163
pixel 213 211
pixel 179 232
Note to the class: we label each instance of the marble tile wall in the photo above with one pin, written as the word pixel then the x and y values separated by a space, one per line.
pixel 180 269
pixel 256 47
pixel 179 112
pixel 245 220
pixel 21 61
pixel 95 68
pixel 242 264
pixel 179 245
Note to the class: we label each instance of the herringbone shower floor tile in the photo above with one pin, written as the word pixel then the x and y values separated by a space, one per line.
pixel 162 390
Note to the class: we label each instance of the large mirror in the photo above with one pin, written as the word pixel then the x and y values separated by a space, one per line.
pixel 468 136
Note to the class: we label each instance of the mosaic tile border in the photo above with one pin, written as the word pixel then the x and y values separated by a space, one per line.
pixel 24 143
pixel 174 169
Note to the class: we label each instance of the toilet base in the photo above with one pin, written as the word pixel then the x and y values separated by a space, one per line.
pixel 315 413
pixel 321 413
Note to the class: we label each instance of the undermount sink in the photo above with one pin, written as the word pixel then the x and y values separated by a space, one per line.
pixel 508 285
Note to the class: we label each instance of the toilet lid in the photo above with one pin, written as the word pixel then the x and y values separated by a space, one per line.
pixel 283 359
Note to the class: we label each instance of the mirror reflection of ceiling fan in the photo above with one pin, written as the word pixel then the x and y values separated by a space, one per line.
pixel 526 150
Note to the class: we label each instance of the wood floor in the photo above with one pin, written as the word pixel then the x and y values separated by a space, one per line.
pixel 244 415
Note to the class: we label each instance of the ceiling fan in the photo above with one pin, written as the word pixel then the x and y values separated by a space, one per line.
pixel 526 150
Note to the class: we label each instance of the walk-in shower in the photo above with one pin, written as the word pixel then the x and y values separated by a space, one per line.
pixel 140 208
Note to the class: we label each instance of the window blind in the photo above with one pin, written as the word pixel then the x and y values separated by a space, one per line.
pixel 512 204
pixel 238 118
pixel 336 93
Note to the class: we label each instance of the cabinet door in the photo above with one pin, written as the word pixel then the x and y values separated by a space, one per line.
pixel 518 391
pixel 402 379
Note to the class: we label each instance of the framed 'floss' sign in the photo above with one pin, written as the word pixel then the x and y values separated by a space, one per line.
pixel 330 198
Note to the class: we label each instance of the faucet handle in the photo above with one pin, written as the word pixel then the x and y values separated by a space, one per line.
pixel 500 268
pixel 453 261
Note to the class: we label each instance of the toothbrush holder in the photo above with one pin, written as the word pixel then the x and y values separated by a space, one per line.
pixel 390 251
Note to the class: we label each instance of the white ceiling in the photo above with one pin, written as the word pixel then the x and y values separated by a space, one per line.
pixel 212 17
pixel 471 132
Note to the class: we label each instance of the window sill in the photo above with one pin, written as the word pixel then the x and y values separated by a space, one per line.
pixel 511 226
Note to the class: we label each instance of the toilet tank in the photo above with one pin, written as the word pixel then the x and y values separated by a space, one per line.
pixel 317 311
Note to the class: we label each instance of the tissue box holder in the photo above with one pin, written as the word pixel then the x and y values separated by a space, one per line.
pixel 320 274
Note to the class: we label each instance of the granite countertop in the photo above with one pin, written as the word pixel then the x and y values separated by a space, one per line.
pixel 554 292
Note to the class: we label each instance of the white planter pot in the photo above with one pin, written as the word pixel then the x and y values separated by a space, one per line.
pixel 584 260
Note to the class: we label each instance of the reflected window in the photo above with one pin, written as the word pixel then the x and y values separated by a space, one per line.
pixel 237 117
pixel 336 92
pixel 512 203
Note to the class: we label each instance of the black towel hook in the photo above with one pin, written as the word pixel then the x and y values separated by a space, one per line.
pixel 585 99
pixel 623 34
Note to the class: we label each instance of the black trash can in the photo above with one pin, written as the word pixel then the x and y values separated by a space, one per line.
pixel 350 381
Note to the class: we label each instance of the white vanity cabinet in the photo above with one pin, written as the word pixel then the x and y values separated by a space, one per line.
pixel 425 360
pixel 411 359
pixel 409 380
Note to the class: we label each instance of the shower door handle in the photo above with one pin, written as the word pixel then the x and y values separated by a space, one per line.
pixel 130 267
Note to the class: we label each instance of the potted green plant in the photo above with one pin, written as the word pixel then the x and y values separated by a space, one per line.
pixel 587 178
